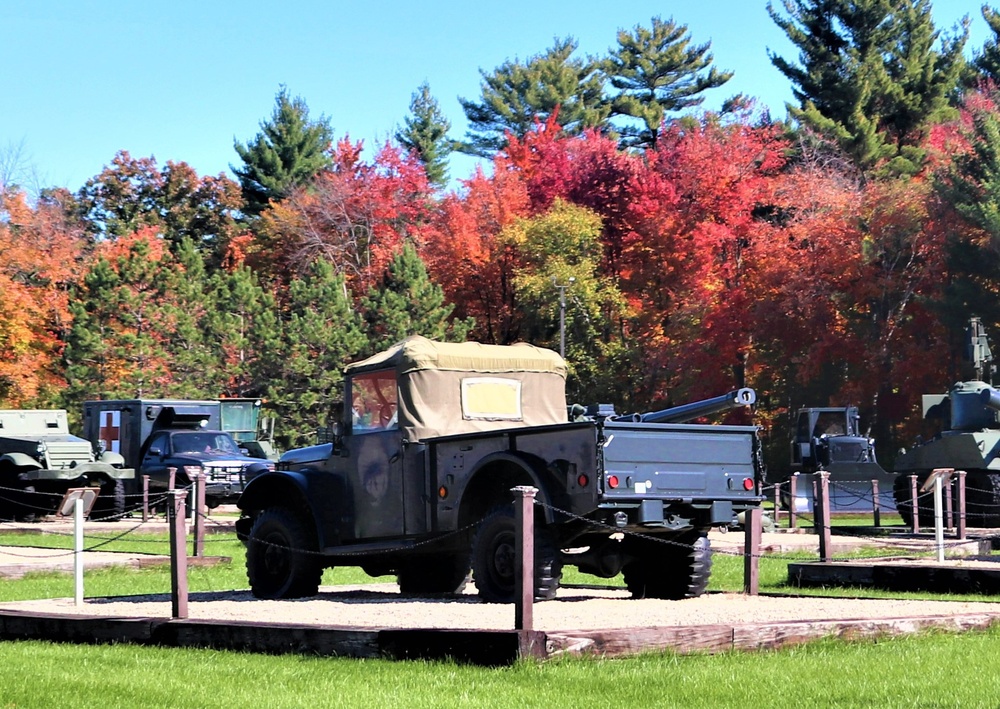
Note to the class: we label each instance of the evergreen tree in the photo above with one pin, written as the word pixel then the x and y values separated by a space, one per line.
pixel 986 64
pixel 406 303
pixel 288 152
pixel 321 334
pixel 114 346
pixel 657 71
pixel 246 329
pixel 869 77
pixel 194 355
pixel 426 135
pixel 516 95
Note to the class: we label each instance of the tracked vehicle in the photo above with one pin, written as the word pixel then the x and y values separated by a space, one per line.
pixel 968 439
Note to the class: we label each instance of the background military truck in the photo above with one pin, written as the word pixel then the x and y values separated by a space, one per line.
pixel 830 438
pixel 432 438
pixel 40 460
pixel 155 435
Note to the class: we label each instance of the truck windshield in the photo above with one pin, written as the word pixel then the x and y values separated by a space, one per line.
pixel 374 401
pixel 204 442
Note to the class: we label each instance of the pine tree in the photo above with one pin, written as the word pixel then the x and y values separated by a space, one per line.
pixel 426 135
pixel 657 71
pixel 114 346
pixel 986 64
pixel 288 152
pixel 869 77
pixel 406 303
pixel 320 335
pixel 245 326
pixel 194 355
pixel 517 95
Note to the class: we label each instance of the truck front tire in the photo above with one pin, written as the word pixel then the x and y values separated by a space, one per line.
pixel 281 559
pixel 493 559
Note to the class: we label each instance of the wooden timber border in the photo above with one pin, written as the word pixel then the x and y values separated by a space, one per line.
pixel 481 647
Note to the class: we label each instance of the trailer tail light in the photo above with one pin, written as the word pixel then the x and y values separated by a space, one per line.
pixel 442 492
pixel 613 481
pixel 582 481
pixel 748 484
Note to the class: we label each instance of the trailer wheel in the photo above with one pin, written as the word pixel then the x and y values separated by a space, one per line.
pixel 493 559
pixel 660 569
pixel 444 573
pixel 281 558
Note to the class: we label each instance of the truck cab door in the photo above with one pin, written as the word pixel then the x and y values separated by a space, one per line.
pixel 373 456
pixel 153 460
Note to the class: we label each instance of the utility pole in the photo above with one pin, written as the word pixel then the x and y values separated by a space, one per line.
pixel 562 314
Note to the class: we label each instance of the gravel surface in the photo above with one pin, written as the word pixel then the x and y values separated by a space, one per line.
pixel 382 606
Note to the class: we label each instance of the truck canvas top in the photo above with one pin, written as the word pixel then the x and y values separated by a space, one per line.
pixel 448 388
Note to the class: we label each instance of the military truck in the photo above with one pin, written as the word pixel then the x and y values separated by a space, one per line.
pixel 157 436
pixel 253 434
pixel 430 441
pixel 829 438
pixel 40 460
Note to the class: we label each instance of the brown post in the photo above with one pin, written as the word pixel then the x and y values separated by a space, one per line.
pixel 792 482
pixel 145 498
pixel 777 503
pixel 524 556
pixel 822 513
pixel 960 494
pixel 751 552
pixel 171 478
pixel 199 515
pixel 876 507
pixel 178 554
pixel 915 504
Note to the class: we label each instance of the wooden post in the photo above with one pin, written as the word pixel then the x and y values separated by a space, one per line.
pixel 876 505
pixel 960 494
pixel 524 557
pixel 792 483
pixel 822 513
pixel 178 553
pixel 145 498
pixel 199 515
pixel 777 503
pixel 914 502
pixel 751 552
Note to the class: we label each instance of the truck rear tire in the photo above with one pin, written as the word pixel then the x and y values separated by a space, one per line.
pixel 281 558
pixel 493 559
pixel 444 573
pixel 660 569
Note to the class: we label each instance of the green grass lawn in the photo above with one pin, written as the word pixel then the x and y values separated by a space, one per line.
pixel 927 670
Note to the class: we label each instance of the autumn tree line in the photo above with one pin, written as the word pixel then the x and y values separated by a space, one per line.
pixel 832 257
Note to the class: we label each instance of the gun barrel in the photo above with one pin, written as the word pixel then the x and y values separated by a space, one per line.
pixel 990 397
pixel 686 412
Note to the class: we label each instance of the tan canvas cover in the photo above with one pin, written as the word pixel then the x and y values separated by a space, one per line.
pixel 447 388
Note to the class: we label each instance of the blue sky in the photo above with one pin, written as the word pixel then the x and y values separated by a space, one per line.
pixel 181 80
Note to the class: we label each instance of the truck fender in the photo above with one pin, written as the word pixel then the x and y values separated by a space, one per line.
pixel 493 477
pixel 115 460
pixel 292 489
pixel 20 460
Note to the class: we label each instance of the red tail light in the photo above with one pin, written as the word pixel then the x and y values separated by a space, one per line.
pixel 612 481
pixel 748 484
pixel 582 481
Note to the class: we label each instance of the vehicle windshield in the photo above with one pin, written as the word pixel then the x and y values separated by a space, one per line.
pixel 204 442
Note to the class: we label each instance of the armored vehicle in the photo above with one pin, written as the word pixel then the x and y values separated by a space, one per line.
pixel 40 460
pixel 430 439
pixel 160 437
pixel 830 439
pixel 967 438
